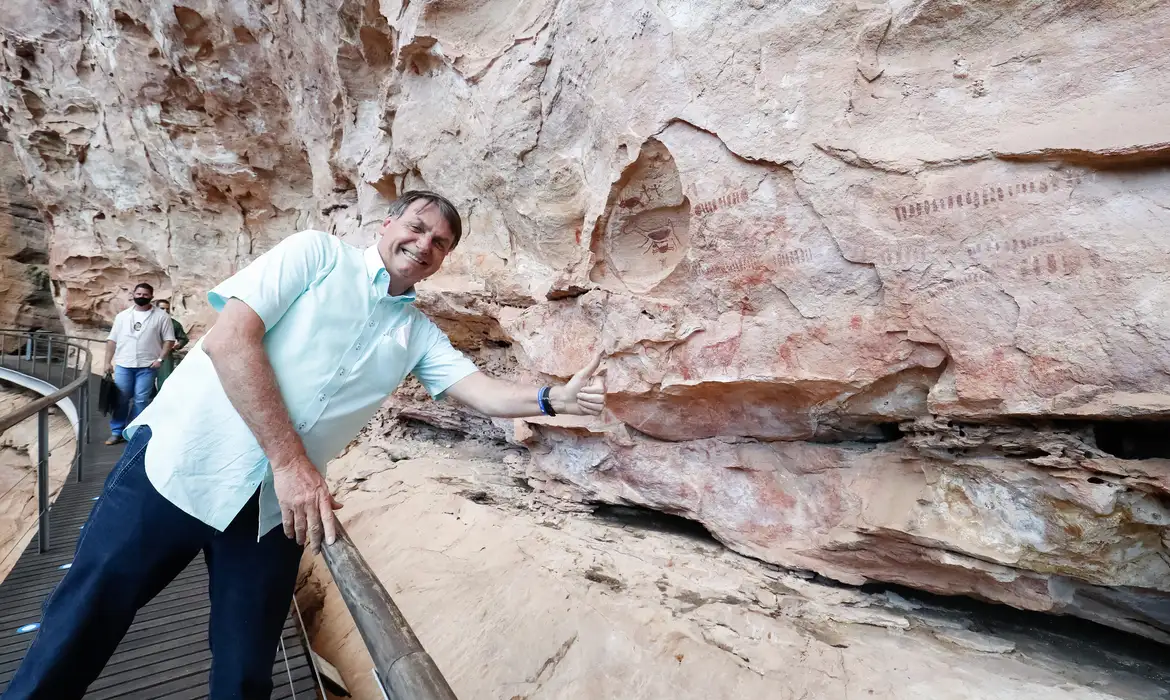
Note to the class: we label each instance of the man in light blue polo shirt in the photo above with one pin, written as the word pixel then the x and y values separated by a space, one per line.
pixel 229 458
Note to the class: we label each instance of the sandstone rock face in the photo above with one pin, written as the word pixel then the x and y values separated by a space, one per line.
pixel 25 296
pixel 516 599
pixel 881 286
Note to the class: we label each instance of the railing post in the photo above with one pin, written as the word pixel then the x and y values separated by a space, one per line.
pixel 82 427
pixel 33 371
pixel 43 478
pixel 86 385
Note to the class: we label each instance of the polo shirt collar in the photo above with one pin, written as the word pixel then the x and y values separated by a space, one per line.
pixel 378 274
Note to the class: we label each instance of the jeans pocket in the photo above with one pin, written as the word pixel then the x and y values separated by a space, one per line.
pixel 135 453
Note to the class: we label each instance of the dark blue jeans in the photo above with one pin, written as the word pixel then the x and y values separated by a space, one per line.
pixel 133 545
pixel 135 391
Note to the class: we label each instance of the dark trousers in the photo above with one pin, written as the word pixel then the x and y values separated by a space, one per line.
pixel 133 545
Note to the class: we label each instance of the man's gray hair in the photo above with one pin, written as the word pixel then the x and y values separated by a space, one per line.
pixel 446 209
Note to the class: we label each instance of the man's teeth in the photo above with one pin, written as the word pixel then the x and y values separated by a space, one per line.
pixel 413 257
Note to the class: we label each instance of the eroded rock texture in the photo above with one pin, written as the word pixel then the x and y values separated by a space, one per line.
pixel 882 286
pixel 26 299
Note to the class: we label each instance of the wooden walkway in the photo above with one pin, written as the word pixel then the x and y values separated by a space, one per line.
pixel 165 654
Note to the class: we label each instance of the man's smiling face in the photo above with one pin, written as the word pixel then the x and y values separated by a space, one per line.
pixel 414 245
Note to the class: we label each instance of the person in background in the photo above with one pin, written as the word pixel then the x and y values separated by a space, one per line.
pixel 181 340
pixel 141 338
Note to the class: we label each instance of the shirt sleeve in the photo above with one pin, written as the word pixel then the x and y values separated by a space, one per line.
pixel 116 329
pixel 441 365
pixel 273 281
pixel 181 338
pixel 168 330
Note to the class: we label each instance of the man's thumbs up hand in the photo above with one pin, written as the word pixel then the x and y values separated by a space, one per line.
pixel 584 394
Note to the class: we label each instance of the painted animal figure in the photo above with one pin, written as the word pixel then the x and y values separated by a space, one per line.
pixel 657 233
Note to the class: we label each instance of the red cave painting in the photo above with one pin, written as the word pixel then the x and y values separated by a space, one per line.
pixel 721 202
pixel 721 355
pixel 984 196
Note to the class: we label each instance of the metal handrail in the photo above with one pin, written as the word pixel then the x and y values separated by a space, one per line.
pixel 28 345
pixel 402 667
pixel 32 340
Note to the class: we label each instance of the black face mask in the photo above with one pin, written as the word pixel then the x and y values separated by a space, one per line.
pixel 142 302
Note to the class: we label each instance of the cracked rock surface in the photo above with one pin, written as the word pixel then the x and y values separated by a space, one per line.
pixel 517 598
pixel 26 299
pixel 881 286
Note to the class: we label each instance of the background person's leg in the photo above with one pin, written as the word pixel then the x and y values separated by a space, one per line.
pixel 143 390
pixel 251 591
pixel 124 378
pixel 133 545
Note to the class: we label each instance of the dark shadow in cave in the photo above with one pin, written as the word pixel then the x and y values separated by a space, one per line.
pixel 1095 648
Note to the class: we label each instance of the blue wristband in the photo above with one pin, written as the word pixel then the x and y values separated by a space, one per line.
pixel 543 402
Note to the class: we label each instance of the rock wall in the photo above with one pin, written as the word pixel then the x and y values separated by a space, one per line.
pixel 516 599
pixel 26 299
pixel 881 286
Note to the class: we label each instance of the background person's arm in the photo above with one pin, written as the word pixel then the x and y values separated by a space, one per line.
pixel 111 346
pixel 166 350
pixel 112 343
pixel 168 338
pixel 181 338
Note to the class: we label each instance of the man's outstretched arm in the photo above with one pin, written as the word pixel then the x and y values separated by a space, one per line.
pixel 583 395
pixel 235 345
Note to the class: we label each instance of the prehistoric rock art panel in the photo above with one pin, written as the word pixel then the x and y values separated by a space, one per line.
pixel 987 195
pixel 647 228
pixel 1008 264
pixel 770 265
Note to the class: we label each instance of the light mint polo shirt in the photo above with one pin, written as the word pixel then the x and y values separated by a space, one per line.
pixel 339 344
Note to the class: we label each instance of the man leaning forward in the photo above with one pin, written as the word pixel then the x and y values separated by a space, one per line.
pixel 229 458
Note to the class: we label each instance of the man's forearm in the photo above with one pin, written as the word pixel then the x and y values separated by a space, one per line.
pixel 110 345
pixel 168 345
pixel 504 399
pixel 250 385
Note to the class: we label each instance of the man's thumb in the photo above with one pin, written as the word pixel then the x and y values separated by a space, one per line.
pixel 588 370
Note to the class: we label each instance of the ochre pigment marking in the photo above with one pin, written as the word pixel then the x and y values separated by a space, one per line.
pixel 722 202
pixel 985 196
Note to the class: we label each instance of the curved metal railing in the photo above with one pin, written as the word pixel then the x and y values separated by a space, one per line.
pixel 51 361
